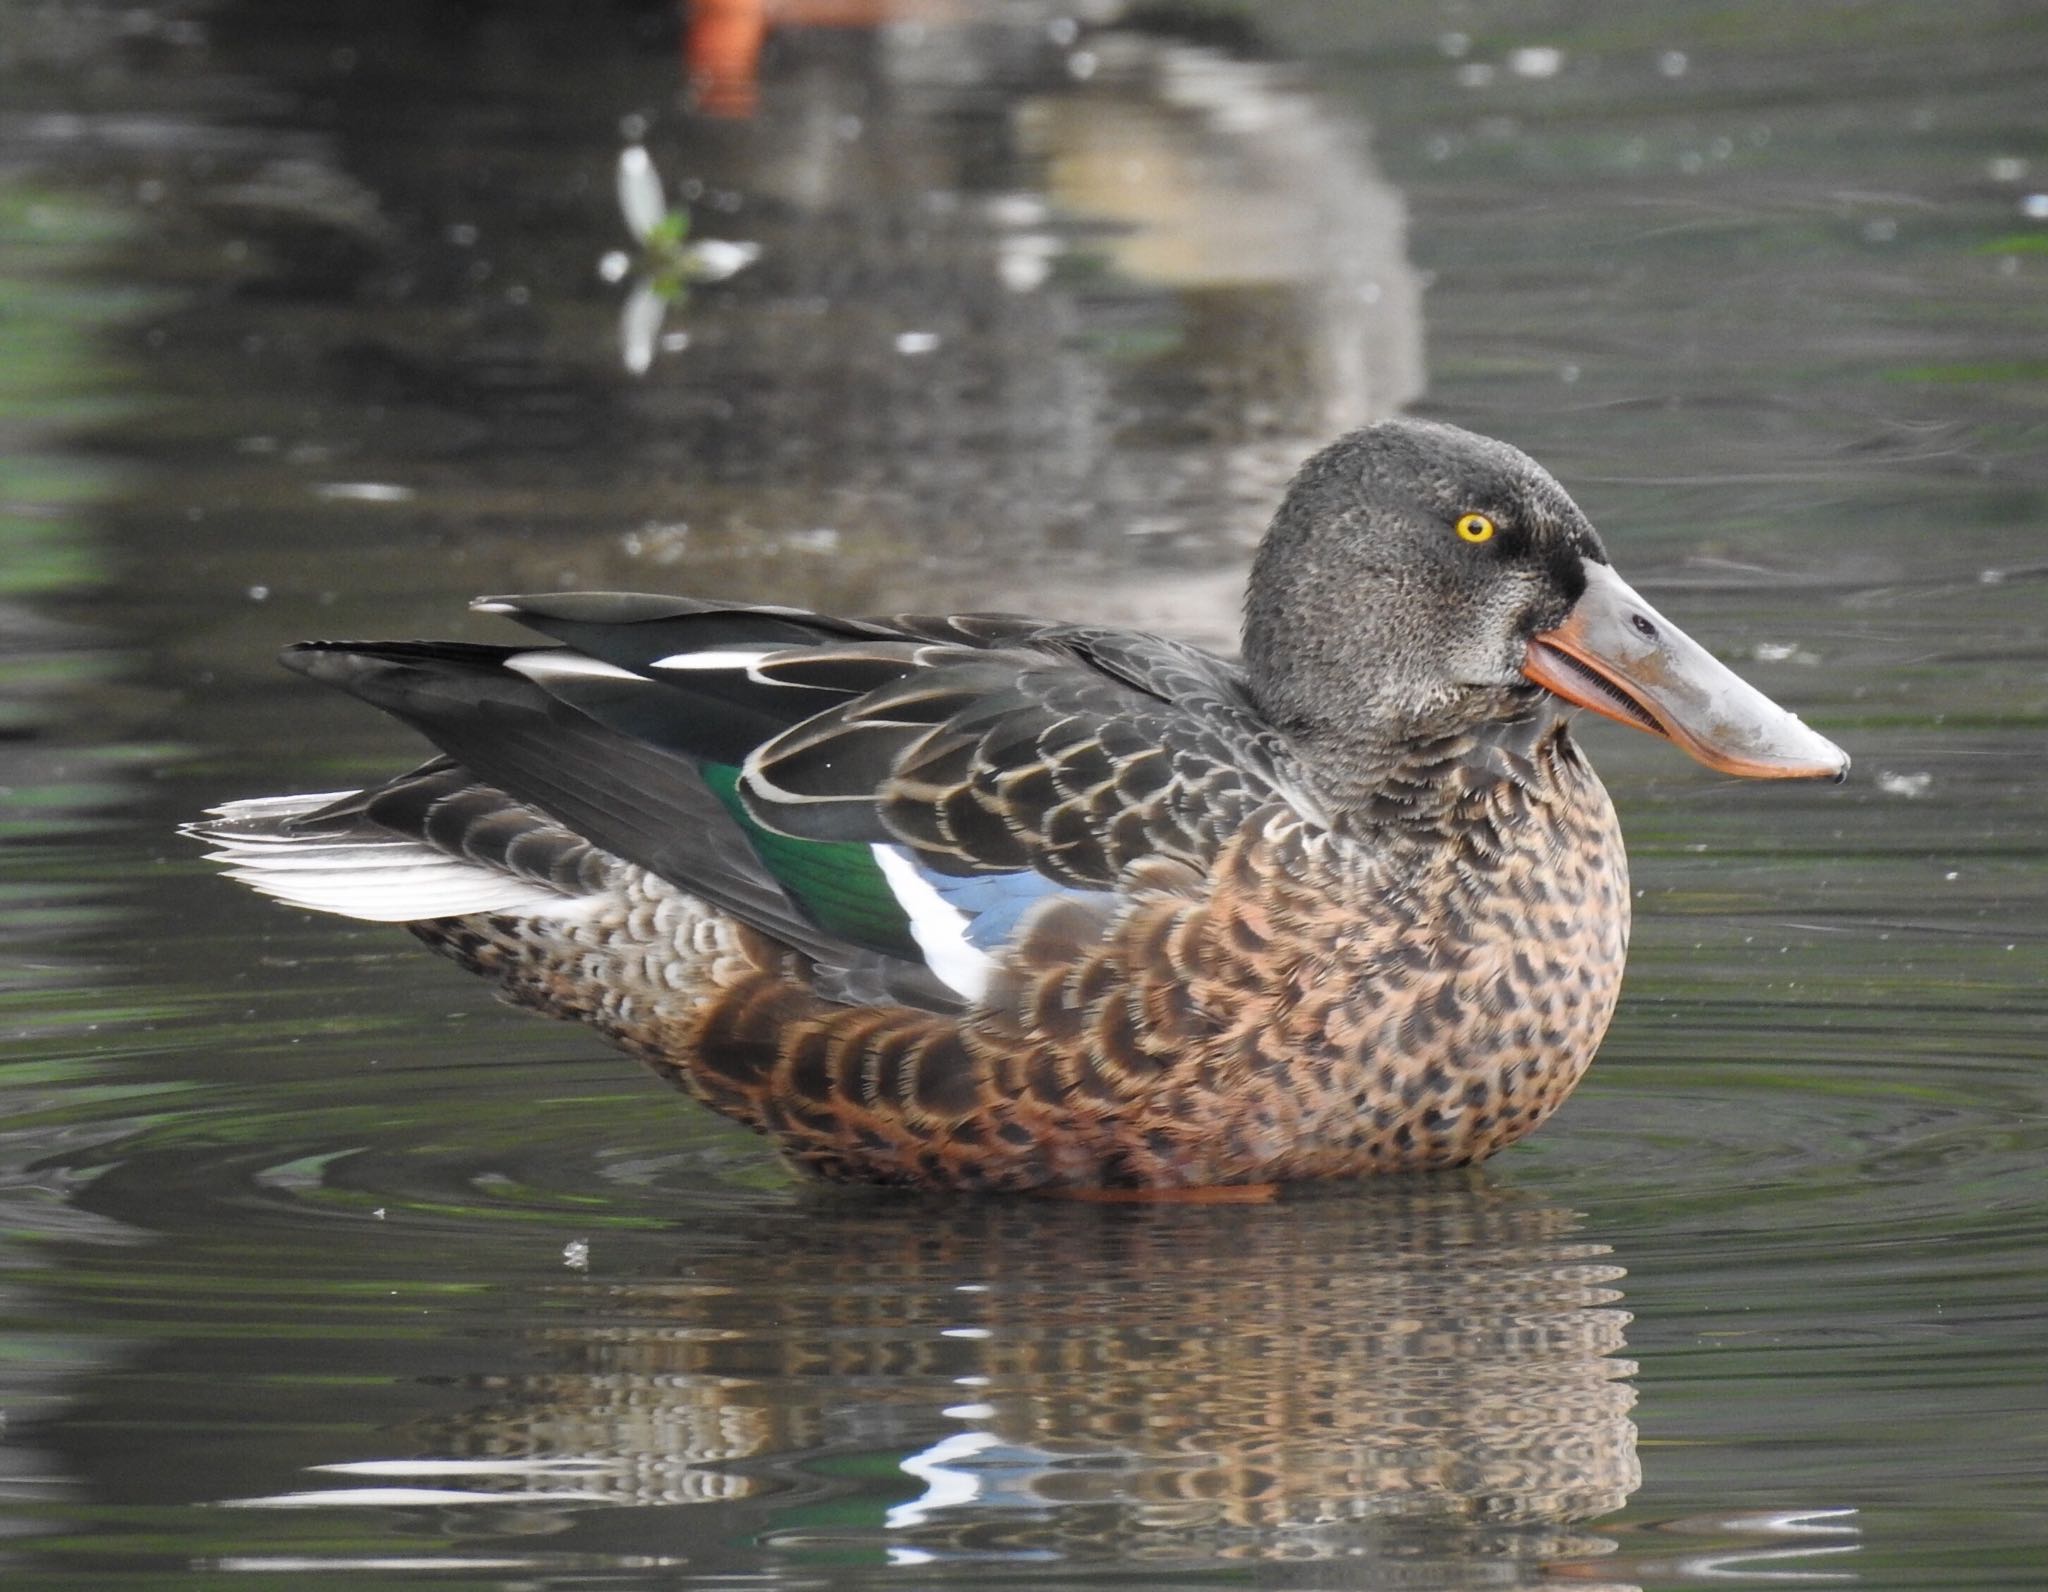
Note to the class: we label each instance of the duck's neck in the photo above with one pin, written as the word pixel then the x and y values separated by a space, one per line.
pixel 1424 778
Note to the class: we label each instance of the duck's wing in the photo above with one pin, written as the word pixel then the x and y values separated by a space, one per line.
pixel 983 743
pixel 1070 751
pixel 907 788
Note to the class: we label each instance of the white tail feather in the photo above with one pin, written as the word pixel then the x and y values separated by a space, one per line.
pixel 365 874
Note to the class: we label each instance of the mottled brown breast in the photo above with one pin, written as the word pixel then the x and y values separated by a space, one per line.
pixel 1414 996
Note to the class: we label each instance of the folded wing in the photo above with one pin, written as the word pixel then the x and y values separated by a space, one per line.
pixel 891 797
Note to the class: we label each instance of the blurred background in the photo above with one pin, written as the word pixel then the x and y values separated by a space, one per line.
pixel 319 320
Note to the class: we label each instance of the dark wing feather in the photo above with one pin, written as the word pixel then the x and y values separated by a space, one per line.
pixel 717 715
pixel 631 629
pixel 633 801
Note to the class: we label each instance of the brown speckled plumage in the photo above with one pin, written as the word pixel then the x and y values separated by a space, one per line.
pixel 985 903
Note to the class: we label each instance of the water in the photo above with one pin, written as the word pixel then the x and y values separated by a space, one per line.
pixel 319 1265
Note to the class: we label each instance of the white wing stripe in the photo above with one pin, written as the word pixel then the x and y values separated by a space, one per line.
pixel 711 660
pixel 939 928
pixel 561 663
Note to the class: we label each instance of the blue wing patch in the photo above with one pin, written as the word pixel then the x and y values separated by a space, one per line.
pixel 994 903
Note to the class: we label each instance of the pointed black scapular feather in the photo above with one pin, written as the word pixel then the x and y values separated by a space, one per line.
pixel 713 717
pixel 632 630
pixel 764 668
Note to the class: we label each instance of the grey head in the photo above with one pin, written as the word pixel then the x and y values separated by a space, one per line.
pixel 1394 597
pixel 1421 583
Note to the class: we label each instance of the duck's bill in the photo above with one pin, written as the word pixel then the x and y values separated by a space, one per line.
pixel 1618 656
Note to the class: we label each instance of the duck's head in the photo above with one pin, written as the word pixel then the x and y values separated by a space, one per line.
pixel 1419 581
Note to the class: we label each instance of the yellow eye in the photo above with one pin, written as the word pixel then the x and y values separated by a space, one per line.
pixel 1475 527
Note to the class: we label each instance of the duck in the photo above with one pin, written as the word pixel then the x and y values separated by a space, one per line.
pixel 987 903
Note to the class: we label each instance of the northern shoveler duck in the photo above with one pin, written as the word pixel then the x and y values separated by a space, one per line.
pixel 986 902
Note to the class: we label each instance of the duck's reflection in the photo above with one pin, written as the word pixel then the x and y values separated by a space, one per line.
pixel 1325 1377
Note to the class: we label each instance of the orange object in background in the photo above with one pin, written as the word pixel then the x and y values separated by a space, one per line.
pixel 722 41
pixel 722 54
